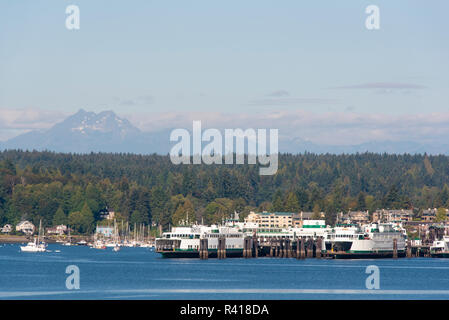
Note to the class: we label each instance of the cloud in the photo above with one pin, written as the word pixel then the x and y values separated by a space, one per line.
pixel 279 93
pixel 16 121
pixel 132 102
pixel 332 128
pixel 290 101
pixel 383 86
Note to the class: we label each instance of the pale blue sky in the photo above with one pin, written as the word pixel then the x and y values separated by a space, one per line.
pixel 144 57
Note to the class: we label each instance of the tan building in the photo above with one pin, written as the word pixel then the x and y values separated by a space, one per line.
pixel 271 219
pixel 282 219
pixel 25 227
pixel 385 215
pixel 357 217
pixel 299 218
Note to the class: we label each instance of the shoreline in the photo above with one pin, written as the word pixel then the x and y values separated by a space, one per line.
pixel 26 239
pixel 13 239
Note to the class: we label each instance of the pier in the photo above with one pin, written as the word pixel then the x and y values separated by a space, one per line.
pixel 303 248
pixel 298 248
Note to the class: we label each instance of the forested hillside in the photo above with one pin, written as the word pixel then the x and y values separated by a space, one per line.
pixel 75 189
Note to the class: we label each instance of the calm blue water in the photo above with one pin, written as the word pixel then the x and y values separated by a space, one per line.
pixel 138 273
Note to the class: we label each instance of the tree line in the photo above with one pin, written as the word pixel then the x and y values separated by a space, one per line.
pixel 77 189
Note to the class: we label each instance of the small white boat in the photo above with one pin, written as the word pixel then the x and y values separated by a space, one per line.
pixel 68 243
pixel 35 246
pixel 82 243
pixel 99 245
pixel 116 248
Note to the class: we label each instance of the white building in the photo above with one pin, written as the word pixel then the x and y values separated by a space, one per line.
pixel 59 230
pixel 7 228
pixel 26 227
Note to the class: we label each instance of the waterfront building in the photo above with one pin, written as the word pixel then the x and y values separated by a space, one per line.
pixel 58 230
pixel 105 231
pixel 108 215
pixel 271 219
pixel 7 228
pixel 430 215
pixel 398 216
pixel 354 217
pixel 283 219
pixel 26 227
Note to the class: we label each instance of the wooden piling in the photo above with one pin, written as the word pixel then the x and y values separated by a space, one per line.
pixel 221 248
pixel 409 249
pixel 250 247
pixel 271 248
pixel 289 248
pixel 310 248
pixel 247 247
pixel 318 248
pixel 204 253
pixel 245 243
pixel 298 248
pixel 255 247
pixel 284 248
pixel 303 248
pixel 395 248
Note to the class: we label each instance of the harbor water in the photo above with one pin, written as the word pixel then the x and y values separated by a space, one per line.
pixel 140 273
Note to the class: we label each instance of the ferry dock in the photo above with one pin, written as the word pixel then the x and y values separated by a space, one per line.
pixel 299 248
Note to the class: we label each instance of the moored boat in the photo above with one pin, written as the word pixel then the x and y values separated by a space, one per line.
pixel 440 248
pixel 375 240
pixel 37 245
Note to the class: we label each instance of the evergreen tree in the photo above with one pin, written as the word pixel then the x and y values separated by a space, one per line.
pixel 291 203
pixel 59 217
pixel 278 203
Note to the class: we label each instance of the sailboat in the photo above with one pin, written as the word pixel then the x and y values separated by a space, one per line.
pixel 37 245
pixel 116 238
pixel 98 243
pixel 68 243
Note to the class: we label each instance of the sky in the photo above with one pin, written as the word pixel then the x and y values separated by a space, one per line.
pixel 310 68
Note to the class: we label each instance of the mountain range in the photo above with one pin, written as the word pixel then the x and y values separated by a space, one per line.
pixel 85 132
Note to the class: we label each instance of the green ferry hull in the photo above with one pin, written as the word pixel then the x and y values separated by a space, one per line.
pixel 366 255
pixel 195 254
pixel 440 255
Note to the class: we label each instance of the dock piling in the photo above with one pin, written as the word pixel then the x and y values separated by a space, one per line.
pixel 302 250
pixel 204 253
pixel 310 248
pixel 395 248
pixel 221 248
pixel 318 248
pixel 409 249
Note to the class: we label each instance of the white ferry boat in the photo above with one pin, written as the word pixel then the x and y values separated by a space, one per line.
pixel 374 240
pixel 184 242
